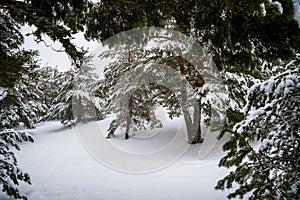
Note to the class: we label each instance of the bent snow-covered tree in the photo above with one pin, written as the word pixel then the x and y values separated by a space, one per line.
pixel 160 72
pixel 131 96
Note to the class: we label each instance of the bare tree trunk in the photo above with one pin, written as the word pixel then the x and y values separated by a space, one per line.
pixel 128 116
pixel 184 98
pixel 193 127
pixel 128 106
pixel 197 122
pixel 186 114
pixel 127 128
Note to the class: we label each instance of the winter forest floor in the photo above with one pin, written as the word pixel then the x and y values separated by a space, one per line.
pixel 61 168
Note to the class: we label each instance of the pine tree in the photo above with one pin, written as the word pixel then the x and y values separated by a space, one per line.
pixel 130 96
pixel 17 108
pixel 240 35
pixel 59 19
pixel 77 99
pixel 237 85
pixel 20 102
pixel 14 60
pixel 161 76
pixel 268 171
pixel 47 84
pixel 10 173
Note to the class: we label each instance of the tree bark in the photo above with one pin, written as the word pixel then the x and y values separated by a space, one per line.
pixel 184 96
pixel 128 116
pixel 197 122
pixel 193 136
pixel 185 110
pixel 128 106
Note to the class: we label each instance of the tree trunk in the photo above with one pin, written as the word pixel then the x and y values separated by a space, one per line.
pixel 185 110
pixel 184 97
pixel 128 116
pixel 197 122
pixel 79 109
pixel 127 128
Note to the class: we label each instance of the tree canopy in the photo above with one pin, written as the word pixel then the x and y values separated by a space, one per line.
pixel 57 19
pixel 242 34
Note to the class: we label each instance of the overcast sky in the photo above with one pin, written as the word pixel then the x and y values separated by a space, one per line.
pixel 53 58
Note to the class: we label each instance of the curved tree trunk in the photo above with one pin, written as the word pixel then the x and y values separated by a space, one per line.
pixel 190 125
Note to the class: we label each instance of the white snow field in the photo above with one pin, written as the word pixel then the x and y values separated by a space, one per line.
pixel 61 169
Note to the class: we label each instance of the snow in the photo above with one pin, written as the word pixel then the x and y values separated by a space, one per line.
pixel 263 8
pixel 2 93
pixel 278 5
pixel 61 168
pixel 296 4
pixel 270 86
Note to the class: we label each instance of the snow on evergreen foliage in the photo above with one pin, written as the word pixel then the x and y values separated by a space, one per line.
pixel 19 106
pixel 130 94
pixel 146 74
pixel 270 171
pixel 61 107
pixel 77 98
pixel 237 85
pixel 47 85
pixel 10 173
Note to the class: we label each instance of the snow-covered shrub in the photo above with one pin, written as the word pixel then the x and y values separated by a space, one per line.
pixel 269 170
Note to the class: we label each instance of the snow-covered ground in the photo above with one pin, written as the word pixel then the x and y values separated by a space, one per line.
pixel 61 168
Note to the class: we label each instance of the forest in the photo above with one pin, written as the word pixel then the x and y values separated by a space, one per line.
pixel 230 66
